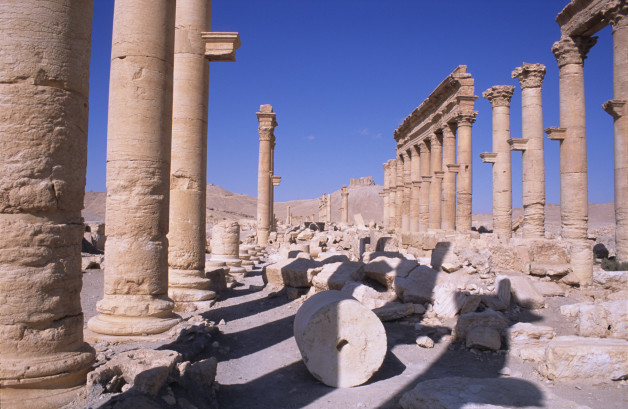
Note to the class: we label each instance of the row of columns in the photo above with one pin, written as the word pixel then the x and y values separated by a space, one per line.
pixel 425 187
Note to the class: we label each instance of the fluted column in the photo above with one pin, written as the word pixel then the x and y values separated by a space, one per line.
pixel 138 171
pixel 436 166
pixel 345 204
pixel 618 108
pixel 464 179
pixel 500 96
pixel 424 193
pixel 187 283
pixel 386 193
pixel 400 192
pixel 392 195
pixel 407 186
pixel 448 209
pixel 267 123
pixel 44 91
pixel 533 159
pixel 415 176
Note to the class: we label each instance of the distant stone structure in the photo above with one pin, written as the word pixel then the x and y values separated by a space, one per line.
pixel 363 181
pixel 344 209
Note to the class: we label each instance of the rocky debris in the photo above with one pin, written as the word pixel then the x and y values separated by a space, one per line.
pixel 425 342
pixel 334 276
pixel 367 256
pixel 523 291
pixel 368 296
pixel 603 320
pixel 469 393
pixel 417 286
pixel 292 272
pixel 612 280
pixel 485 319
pixel 386 269
pixel 483 338
pixel 551 270
pixel 549 288
pixel 92 261
pixel 394 311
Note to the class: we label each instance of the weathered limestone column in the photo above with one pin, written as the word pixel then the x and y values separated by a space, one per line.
pixel 44 91
pixel 424 193
pixel 436 165
pixel 499 97
pixel 533 159
pixel 267 123
pixel 464 180
pixel 328 208
pixel 225 245
pixel 392 198
pixel 407 186
pixel 289 216
pixel 415 195
pixel 345 204
pixel 400 192
pixel 448 210
pixel 618 108
pixel 138 171
pixel 386 194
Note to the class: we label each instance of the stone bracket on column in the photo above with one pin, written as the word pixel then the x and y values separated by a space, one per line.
pixel 489 157
pixel 221 46
pixel 518 144
pixel 276 180
pixel 454 168
pixel 426 178
pixel 615 107
pixel 439 174
pixel 555 133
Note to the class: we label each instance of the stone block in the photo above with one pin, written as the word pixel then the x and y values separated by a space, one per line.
pixel 334 276
pixel 386 269
pixel 418 286
pixel 485 319
pixel 550 270
pixel 394 311
pixel 368 296
pixel 425 342
pixel 612 280
pixel 292 272
pixel 524 292
pixel 483 338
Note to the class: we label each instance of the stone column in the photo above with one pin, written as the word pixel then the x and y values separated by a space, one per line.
pixel 267 123
pixel 407 186
pixel 138 171
pixel 345 205
pixel 392 198
pixel 400 192
pixel 533 159
pixel 448 209
pixel 271 199
pixel 328 208
pixel 618 108
pixel 225 245
pixel 436 165
pixel 289 216
pixel 424 194
pixel 187 284
pixel 385 195
pixel 499 97
pixel 464 180
pixel 415 195
pixel 44 91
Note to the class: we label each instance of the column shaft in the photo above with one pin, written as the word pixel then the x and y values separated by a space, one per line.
pixel 448 210
pixel 415 176
pixel 436 165
pixel 267 122
pixel 464 179
pixel 407 186
pixel 385 195
pixel 392 195
pixel 345 205
pixel 187 237
pixel 43 151
pixel 399 194
pixel 138 171
pixel 424 193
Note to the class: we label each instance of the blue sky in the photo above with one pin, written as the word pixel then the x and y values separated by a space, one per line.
pixel 342 75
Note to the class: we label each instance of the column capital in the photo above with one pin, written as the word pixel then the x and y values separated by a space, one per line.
pixel 434 140
pixel 530 75
pixel 572 50
pixel 616 13
pixel 615 107
pixel 466 118
pixel 499 95
pixel 423 148
pixel 267 122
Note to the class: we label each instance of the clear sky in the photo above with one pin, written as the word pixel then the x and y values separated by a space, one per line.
pixel 342 75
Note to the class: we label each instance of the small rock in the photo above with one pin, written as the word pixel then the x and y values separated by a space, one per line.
pixel 425 342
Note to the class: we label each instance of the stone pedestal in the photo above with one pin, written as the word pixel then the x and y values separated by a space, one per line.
pixel 415 192
pixel 533 159
pixel 43 151
pixel 436 165
pixel 267 123
pixel 138 171
pixel 500 96
pixel 464 180
pixel 424 193
pixel 448 209
pixel 345 205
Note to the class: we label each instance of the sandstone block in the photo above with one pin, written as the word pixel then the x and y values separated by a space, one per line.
pixel 368 296
pixel 386 269
pixel 483 338
pixel 367 256
pixel 612 280
pixel 524 293
pixel 292 272
pixel 549 289
pixel 418 286
pixel 394 311
pixel 485 319
pixel 342 342
pixel 333 276
pixel 551 270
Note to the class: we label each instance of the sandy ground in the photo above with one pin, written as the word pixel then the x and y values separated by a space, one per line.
pixel 260 365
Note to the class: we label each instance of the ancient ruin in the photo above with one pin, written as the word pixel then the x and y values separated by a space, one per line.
pixel 265 177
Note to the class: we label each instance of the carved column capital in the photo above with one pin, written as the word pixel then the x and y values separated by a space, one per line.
pixel 465 118
pixel 616 13
pixel 423 148
pixel 435 140
pixel 530 75
pixel 572 50
pixel 499 95
pixel 265 133
pixel 615 107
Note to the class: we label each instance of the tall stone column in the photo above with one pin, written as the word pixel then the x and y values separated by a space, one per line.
pixel 424 193
pixel 415 195
pixel 392 198
pixel 464 179
pixel 499 97
pixel 345 204
pixel 386 194
pixel 618 108
pixel 328 209
pixel 407 186
pixel 44 92
pixel 533 159
pixel 138 171
pixel 400 192
pixel 448 210
pixel 267 123
pixel 436 165
pixel 289 216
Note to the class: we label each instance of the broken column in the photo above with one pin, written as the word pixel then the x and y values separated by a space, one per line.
pixel 424 193
pixel 345 204
pixel 448 209
pixel 43 152
pixel 531 144
pixel 342 342
pixel 187 283
pixel 464 180
pixel 436 165
pixel 138 171
pixel 225 246
pixel 415 193
pixel 499 97
pixel 267 123
pixel 618 108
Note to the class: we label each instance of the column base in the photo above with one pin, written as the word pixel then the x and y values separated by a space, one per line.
pixel 194 306
pixel 120 325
